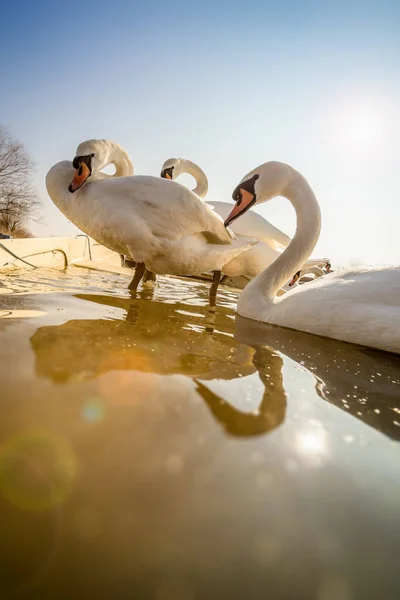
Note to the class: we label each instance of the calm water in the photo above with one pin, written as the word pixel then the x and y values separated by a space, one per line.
pixel 153 449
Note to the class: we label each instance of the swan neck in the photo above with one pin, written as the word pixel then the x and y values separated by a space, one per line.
pixel 194 170
pixel 120 159
pixel 314 271
pixel 308 213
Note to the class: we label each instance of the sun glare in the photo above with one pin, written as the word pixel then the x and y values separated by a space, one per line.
pixel 312 441
pixel 358 125
pixel 363 127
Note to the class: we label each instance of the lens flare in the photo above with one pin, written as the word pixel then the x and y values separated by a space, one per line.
pixel 37 471
pixel 93 411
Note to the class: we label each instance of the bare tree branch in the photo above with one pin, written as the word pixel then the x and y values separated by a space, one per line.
pixel 18 198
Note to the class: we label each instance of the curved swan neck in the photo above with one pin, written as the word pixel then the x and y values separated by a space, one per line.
pixel 106 152
pixel 308 213
pixel 313 271
pixel 187 166
pixel 120 159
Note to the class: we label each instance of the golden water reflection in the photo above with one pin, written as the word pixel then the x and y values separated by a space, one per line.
pixel 165 339
pixel 152 448
pixel 154 338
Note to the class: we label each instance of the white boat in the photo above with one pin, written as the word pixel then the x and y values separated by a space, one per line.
pixel 56 252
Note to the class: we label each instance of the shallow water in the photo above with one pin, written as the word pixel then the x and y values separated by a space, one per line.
pixel 151 448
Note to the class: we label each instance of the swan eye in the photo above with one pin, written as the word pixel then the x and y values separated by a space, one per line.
pixel 80 170
pixel 238 198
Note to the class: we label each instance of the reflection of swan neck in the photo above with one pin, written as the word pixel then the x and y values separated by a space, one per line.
pixel 269 365
pixel 272 409
pixel 187 166
pixel 267 283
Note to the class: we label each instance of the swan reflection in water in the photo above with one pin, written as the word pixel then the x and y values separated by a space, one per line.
pixel 364 382
pixel 151 350
pixel 165 350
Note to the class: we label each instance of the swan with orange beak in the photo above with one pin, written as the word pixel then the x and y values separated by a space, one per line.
pixel 83 170
pixel 94 155
pixel 245 197
pixel 160 224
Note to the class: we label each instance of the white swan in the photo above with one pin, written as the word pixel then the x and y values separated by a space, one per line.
pixel 252 224
pixel 116 155
pixel 161 224
pixel 300 278
pixel 303 276
pixel 107 153
pixel 272 240
pixel 357 305
pixel 173 167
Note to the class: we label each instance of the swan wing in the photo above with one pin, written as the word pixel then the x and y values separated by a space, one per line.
pixel 167 208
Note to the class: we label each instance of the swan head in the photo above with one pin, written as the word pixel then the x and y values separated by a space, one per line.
pixel 91 156
pixel 263 183
pixel 171 168
pixel 295 278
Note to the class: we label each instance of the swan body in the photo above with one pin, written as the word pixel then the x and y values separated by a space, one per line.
pixel 271 239
pixel 359 305
pixel 157 222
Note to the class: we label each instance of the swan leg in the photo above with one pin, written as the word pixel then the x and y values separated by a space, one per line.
pixel 127 262
pixel 139 272
pixel 214 287
pixel 149 276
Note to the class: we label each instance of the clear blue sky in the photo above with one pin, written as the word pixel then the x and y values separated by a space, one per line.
pixel 227 84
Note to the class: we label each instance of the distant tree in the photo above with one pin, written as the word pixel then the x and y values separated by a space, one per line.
pixel 18 199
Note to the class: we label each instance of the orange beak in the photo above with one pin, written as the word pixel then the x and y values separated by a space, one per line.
pixel 81 175
pixel 167 176
pixel 294 279
pixel 240 206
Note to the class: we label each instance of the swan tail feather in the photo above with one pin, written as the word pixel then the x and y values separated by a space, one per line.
pixel 237 247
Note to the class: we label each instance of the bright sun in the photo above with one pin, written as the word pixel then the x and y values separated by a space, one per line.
pixel 364 127
pixel 357 125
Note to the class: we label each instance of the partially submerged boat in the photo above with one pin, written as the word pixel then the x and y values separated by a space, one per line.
pixel 56 252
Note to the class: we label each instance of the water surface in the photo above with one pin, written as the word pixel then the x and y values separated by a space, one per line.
pixel 151 448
